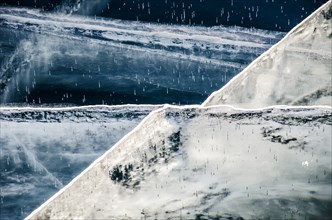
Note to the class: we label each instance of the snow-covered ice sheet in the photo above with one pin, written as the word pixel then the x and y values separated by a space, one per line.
pixel 295 71
pixel 42 149
pixel 196 162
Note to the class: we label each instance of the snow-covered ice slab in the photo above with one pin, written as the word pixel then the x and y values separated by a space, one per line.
pixel 295 71
pixel 195 162
pixel 42 149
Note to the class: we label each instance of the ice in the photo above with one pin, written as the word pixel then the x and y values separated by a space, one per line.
pixel 295 71
pixel 42 149
pixel 180 162
pixel 209 162
pixel 72 54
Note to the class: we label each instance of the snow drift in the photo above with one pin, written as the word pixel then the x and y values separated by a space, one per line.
pixel 296 71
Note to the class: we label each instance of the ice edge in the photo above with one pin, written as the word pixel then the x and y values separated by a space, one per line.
pixel 263 55
pixel 166 106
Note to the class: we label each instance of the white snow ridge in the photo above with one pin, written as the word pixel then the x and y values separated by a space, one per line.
pixel 223 162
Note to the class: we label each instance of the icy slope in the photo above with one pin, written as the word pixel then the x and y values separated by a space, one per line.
pixel 296 71
pixel 42 149
pixel 195 162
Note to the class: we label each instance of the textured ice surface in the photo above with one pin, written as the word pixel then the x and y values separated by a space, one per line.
pixel 181 162
pixel 50 58
pixel 209 162
pixel 43 149
pixel 296 71
pixel 53 58
pixel 264 14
